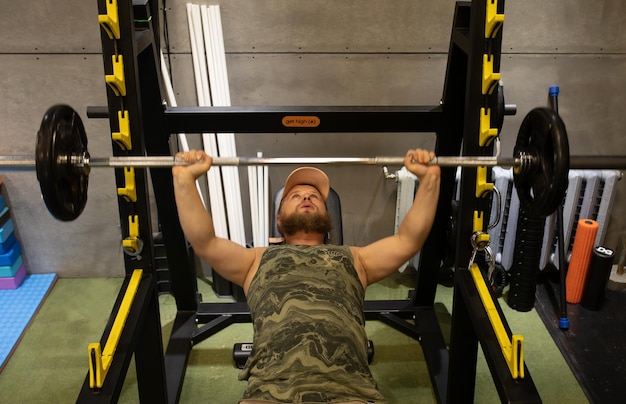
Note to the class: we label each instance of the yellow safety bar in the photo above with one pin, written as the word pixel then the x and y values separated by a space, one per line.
pixel 122 138
pixel 512 349
pixel 129 192
pixel 99 359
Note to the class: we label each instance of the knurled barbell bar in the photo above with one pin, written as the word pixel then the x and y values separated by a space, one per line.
pixel 86 162
pixel 540 164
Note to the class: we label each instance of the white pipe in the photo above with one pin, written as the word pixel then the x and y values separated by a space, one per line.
pixel 260 205
pixel 171 100
pixel 253 205
pixel 216 147
pixel 268 206
pixel 221 52
pixel 213 177
pixel 222 149
pixel 226 142
pixel 195 57
pixel 220 79
pixel 197 26
pixel 208 48
pixel 227 101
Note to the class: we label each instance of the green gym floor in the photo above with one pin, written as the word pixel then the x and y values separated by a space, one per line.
pixel 50 363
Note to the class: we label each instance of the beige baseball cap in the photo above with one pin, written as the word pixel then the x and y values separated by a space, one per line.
pixel 308 176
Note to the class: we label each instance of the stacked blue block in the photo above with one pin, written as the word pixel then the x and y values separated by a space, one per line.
pixel 12 270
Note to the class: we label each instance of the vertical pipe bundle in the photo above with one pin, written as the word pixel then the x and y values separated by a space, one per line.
pixel 171 101
pixel 214 177
pixel 209 59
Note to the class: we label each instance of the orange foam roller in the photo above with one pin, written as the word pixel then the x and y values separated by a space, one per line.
pixel 579 262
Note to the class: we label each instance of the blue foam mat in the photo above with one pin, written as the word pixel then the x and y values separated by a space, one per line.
pixel 17 307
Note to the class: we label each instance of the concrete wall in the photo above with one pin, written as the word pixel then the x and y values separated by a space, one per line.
pixel 315 52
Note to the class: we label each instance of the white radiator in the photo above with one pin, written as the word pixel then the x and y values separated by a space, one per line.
pixel 590 195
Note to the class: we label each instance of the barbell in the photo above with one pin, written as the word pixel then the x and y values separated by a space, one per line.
pixel 540 162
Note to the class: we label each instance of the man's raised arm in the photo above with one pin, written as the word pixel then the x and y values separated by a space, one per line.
pixel 382 258
pixel 229 259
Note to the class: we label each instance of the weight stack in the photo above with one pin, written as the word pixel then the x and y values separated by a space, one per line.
pixel 526 257
pixel 597 278
pixel 586 231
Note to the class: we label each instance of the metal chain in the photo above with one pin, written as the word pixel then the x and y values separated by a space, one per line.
pixel 482 245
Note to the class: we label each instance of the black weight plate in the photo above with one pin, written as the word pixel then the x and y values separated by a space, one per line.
pixel 541 188
pixel 497 109
pixel 63 186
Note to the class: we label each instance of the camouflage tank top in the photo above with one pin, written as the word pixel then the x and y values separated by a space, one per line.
pixel 310 344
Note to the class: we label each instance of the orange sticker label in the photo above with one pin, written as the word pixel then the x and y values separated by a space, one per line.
pixel 301 121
